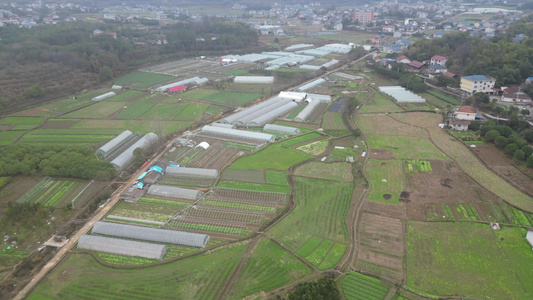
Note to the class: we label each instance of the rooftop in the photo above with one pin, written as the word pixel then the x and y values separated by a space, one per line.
pixel 467 109
pixel 438 57
pixel 476 77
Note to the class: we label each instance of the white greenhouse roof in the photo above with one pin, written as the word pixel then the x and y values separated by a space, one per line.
pixel 254 79
pixel 304 114
pixel 310 67
pixel 310 85
pixel 298 46
pixel 401 95
pixel 174 192
pixel 322 98
pixel 265 110
pixel 237 116
pixel 203 145
pixel 272 68
pixel 122 161
pixel 255 136
pixel 271 115
pixel 224 125
pixel 315 52
pixel 281 129
pixel 122 247
pixel 191 172
pixel 330 63
pixel 151 234
pixel 114 143
pixel 104 96
pixel 296 96
pixel 337 48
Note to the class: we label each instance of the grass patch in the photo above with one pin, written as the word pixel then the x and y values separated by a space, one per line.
pixel 380 103
pixel 273 157
pixel 315 148
pixel 334 171
pixel 21 120
pixel 386 178
pixel 470 260
pixel 321 206
pixel 276 178
pixel 357 286
pixel 301 138
pixel 406 147
pixel 192 112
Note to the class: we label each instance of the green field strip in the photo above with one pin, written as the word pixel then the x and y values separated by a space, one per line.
pixel 334 257
pixel 273 157
pixel 238 206
pixel 309 246
pixel 406 147
pixel 252 186
pixel 45 195
pixel 299 139
pixel 22 120
pixel 386 178
pixel 135 111
pixel 318 255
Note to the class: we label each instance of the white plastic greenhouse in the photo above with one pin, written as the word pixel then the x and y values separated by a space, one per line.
pixel 114 143
pixel 295 96
pixel 224 125
pixel 240 134
pixel 310 85
pixel 123 160
pixel 401 95
pixel 174 192
pixel 298 46
pixel 281 129
pixel 151 234
pixel 304 114
pixel 322 98
pixel 104 96
pixel 271 115
pixel 122 247
pixel 191 172
pixel 265 110
pixel 196 80
pixel 254 79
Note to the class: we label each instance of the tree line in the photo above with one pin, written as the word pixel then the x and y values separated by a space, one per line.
pixel 54 160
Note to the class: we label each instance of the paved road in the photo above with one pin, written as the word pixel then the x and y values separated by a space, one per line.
pixel 84 230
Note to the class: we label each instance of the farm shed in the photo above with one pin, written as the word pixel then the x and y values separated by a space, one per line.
pixel 310 85
pixel 122 247
pixel 151 234
pixel 116 87
pixel 295 96
pixel 271 115
pixel 122 161
pixel 401 95
pixel 191 172
pixel 104 96
pixel 224 125
pixel 203 145
pixel 114 143
pixel 174 192
pixel 177 88
pixel 281 129
pixel 235 133
pixel 195 80
pixel 304 114
pixel 254 79
pixel 272 68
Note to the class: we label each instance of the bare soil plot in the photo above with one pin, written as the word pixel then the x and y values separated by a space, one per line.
pixel 381 246
pixel 256 176
pixel 419 119
pixel 503 166
pixel 377 153
pixel 337 171
pixel 389 210
pixel 447 184
pixel 215 158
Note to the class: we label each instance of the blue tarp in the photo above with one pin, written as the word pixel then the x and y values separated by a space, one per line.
pixel 140 185
pixel 142 176
pixel 156 168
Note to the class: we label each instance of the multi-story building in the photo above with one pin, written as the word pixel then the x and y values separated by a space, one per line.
pixel 363 16
pixel 477 83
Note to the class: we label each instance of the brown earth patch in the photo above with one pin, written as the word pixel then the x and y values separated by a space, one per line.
pixel 504 167
pixel 380 153
pixel 390 210
pixel 447 184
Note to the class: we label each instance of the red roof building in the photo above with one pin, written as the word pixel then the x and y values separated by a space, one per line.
pixel 177 88
pixel 467 109
pixel 416 64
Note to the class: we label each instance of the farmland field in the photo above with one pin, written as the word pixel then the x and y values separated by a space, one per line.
pixel 385 125
pixel 386 180
pixel 314 148
pixel 321 206
pixel 192 112
pixel 301 138
pixel 7 137
pixel 335 171
pixel 134 111
pixel 97 110
pixel 406 147
pixel 198 277
pixel 356 286
pixel 333 121
pixel 164 111
pixel 268 268
pixel 251 186
pixel 227 98
pixel 380 104
pixel 274 157
pixel 463 263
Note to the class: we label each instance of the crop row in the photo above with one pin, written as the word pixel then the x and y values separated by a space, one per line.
pixel 211 228
pixel 276 178
pixel 214 213
pixel 36 190
pixel 317 256
pixel 121 260
pixel 239 206
pixel 60 193
pixel 300 139
pixel 468 211
pixel 309 246
pixel 156 201
pixel 358 286
pixel 333 257
pixel 48 191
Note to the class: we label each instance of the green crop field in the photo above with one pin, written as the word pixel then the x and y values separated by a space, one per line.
pixel 164 111
pixel 134 111
pixel 199 277
pixel 273 157
pixel 357 286
pixel 141 79
pixel 76 131
pixel 332 120
pixel 251 186
pixel 65 139
pixel 63 105
pixel 129 96
pixel 470 260
pixel 300 139
pixel 21 120
pixel 334 256
pixel 97 110
pixel 435 101
pixel 335 171
pixel 227 98
pixel 192 112
pixel 7 137
pixel 386 178
pixel 406 147
pixel 314 148
pixel 295 112
pixel 237 72
pixel 447 98
pixel 380 104
pixel 199 93
pixel 321 206
pixel 276 177
pixel 268 268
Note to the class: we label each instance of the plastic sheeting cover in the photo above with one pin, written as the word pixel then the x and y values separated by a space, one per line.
pixel 122 247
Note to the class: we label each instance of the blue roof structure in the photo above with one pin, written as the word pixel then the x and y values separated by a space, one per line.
pixel 476 77
pixel 142 176
pixel 157 169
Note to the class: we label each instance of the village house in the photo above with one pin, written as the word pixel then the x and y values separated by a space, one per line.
pixel 513 94
pixel 461 118
pixel 439 60
pixel 477 83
